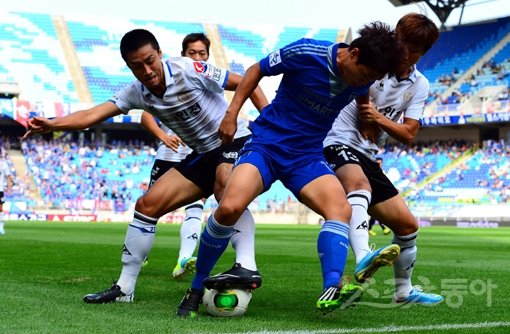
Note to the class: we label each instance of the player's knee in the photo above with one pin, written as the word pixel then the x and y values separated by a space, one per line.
pixel 339 211
pixel 146 207
pixel 228 213
pixel 406 226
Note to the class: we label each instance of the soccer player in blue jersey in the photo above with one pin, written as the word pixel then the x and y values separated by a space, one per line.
pixel 351 147
pixel 319 79
pixel 186 97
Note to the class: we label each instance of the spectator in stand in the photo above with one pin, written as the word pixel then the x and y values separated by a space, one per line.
pixel 5 185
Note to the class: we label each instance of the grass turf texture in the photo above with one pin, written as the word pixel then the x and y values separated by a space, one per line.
pixel 46 268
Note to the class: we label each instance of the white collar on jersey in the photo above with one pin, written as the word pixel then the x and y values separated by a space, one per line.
pixel 411 77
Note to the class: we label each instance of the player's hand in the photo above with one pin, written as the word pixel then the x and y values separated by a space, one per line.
pixel 368 116
pixel 173 142
pixel 228 128
pixel 367 113
pixel 38 124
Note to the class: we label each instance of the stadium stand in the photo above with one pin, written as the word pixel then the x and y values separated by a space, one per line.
pixel 32 57
pixel 469 63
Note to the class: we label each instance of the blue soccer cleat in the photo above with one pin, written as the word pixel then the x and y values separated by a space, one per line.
pixel 417 296
pixel 384 256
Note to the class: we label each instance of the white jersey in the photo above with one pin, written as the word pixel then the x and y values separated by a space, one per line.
pixel 167 154
pixel 192 105
pixel 393 98
pixel 4 173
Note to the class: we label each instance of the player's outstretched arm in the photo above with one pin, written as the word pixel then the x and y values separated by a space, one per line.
pixel 246 87
pixel 76 121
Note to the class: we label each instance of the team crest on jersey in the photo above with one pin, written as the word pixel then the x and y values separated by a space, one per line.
pixel 380 86
pixel 200 66
pixel 185 97
pixel 408 96
pixel 275 58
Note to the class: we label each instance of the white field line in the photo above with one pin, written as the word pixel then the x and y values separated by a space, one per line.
pixel 392 329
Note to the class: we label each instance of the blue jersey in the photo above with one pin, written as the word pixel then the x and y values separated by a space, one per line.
pixel 309 98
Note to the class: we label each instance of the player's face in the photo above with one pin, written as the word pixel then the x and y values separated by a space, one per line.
pixel 197 51
pixel 146 65
pixel 413 55
pixel 356 74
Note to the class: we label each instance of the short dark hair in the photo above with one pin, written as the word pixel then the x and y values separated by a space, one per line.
pixel 418 31
pixel 135 39
pixel 195 37
pixel 379 48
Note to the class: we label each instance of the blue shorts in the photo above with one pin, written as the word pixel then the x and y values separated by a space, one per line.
pixel 293 170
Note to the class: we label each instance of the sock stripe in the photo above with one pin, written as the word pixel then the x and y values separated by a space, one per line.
pixel 195 206
pixel 407 237
pixel 189 218
pixel 143 229
pixel 336 227
pixel 145 219
pixel 218 231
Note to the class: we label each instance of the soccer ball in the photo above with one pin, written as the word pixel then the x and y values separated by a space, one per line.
pixel 226 303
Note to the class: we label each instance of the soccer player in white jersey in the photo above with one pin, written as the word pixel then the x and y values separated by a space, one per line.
pixel 183 95
pixel 172 150
pixel 350 148
pixel 5 184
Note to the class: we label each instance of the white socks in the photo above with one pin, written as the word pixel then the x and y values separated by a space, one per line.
pixel 358 226
pixel 243 241
pixel 404 265
pixel 137 245
pixel 191 229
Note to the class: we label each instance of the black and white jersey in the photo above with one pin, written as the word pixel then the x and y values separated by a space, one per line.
pixel 393 98
pixel 192 106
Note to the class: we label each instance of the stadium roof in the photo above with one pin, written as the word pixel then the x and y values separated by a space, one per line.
pixel 442 8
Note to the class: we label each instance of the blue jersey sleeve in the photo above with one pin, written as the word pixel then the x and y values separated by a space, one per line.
pixel 292 56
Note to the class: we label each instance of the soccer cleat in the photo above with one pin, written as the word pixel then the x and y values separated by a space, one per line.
pixel 145 262
pixel 386 231
pixel 372 233
pixel 367 267
pixel 417 296
pixel 335 297
pixel 188 308
pixel 110 295
pixel 184 266
pixel 237 277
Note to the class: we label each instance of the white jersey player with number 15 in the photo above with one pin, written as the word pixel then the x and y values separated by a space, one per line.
pixel 350 149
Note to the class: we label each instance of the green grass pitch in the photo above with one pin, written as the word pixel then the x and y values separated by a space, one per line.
pixel 46 268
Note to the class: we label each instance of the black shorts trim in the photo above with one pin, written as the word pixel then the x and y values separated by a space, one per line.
pixel 340 155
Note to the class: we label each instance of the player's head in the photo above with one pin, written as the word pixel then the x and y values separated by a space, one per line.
pixel 142 54
pixel 418 33
pixel 373 54
pixel 196 46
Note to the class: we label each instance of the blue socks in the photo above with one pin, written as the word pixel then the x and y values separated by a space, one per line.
pixel 213 242
pixel 332 246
